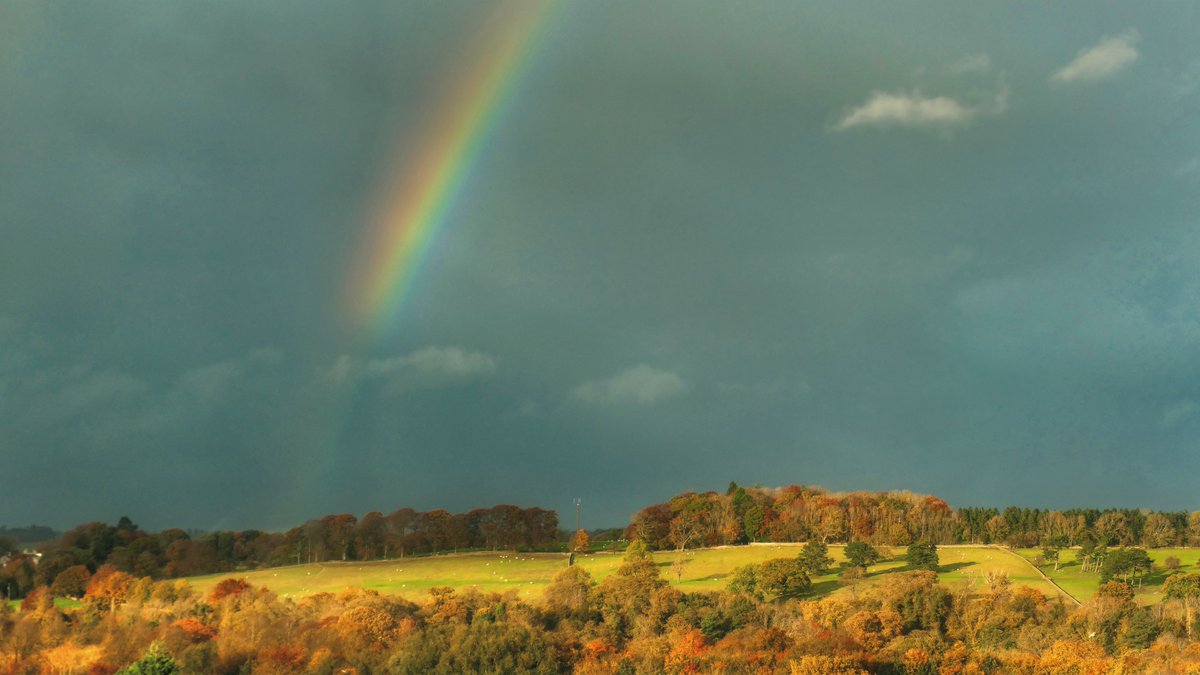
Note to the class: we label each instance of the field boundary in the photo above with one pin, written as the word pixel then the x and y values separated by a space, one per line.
pixel 1040 573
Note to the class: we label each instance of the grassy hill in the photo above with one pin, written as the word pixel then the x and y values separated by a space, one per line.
pixel 1083 585
pixel 529 573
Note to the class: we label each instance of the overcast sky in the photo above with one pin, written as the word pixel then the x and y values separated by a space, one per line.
pixel 946 247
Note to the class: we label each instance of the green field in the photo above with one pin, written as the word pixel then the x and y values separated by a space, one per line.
pixel 61 603
pixel 529 573
pixel 1083 585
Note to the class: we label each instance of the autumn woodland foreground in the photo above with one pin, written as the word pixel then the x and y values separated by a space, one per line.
pixel 876 589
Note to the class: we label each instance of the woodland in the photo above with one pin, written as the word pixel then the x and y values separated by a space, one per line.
pixel 108 599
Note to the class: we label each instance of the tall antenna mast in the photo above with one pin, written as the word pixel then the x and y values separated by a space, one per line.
pixel 577 503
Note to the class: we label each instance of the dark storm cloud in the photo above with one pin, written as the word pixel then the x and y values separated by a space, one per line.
pixel 941 247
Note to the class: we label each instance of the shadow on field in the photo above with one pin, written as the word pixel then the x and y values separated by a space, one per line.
pixel 886 570
pixel 823 588
pixel 1157 577
pixel 894 569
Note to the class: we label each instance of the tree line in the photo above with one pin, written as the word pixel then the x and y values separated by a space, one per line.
pixel 802 513
pixel 174 553
pixel 740 515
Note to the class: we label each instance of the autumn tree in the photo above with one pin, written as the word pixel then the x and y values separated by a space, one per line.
pixel 729 521
pixel 108 587
pixel 744 580
pixel 1193 528
pixel 1186 588
pixel 370 538
pixel 568 594
pixel 1056 526
pixel 228 587
pixel 1112 528
pixel 783 578
pixel 188 557
pixel 339 534
pixel 874 629
pixel 678 566
pixel 580 542
pixel 637 550
pixel 634 599
pixel 1158 531
pixel 821 664
pixel 651 525
pixel 997 529
pixel 71 582
pixel 541 527
pixel 931 519
pixel 17 576
pixel 690 521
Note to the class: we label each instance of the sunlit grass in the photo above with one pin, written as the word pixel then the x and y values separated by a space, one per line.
pixel 529 573
pixel 61 603
pixel 1084 585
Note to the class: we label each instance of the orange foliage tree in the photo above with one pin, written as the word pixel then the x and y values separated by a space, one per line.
pixel 108 586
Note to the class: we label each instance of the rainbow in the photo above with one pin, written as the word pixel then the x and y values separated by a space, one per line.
pixel 419 195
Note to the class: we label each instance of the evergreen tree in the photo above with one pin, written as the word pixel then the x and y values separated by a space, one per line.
pixel 814 558
pixel 154 662
pixel 923 556
pixel 861 554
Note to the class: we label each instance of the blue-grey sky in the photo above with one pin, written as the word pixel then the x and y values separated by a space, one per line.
pixel 940 246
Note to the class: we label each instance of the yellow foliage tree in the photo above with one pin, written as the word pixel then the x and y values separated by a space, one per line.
pixel 580 543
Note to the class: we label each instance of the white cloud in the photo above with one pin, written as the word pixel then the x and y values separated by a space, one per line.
pixel 641 384
pixel 432 366
pixel 768 389
pixel 211 382
pixel 344 369
pixel 449 361
pixel 206 389
pixel 1104 59
pixel 972 63
pixel 83 390
pixel 1179 412
pixel 915 110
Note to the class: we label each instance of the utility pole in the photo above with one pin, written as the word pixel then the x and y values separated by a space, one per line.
pixel 577 503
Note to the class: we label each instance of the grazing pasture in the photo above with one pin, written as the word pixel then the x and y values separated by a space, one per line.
pixel 529 573
pixel 1083 585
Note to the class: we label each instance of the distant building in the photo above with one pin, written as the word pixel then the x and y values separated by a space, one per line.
pixel 35 557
